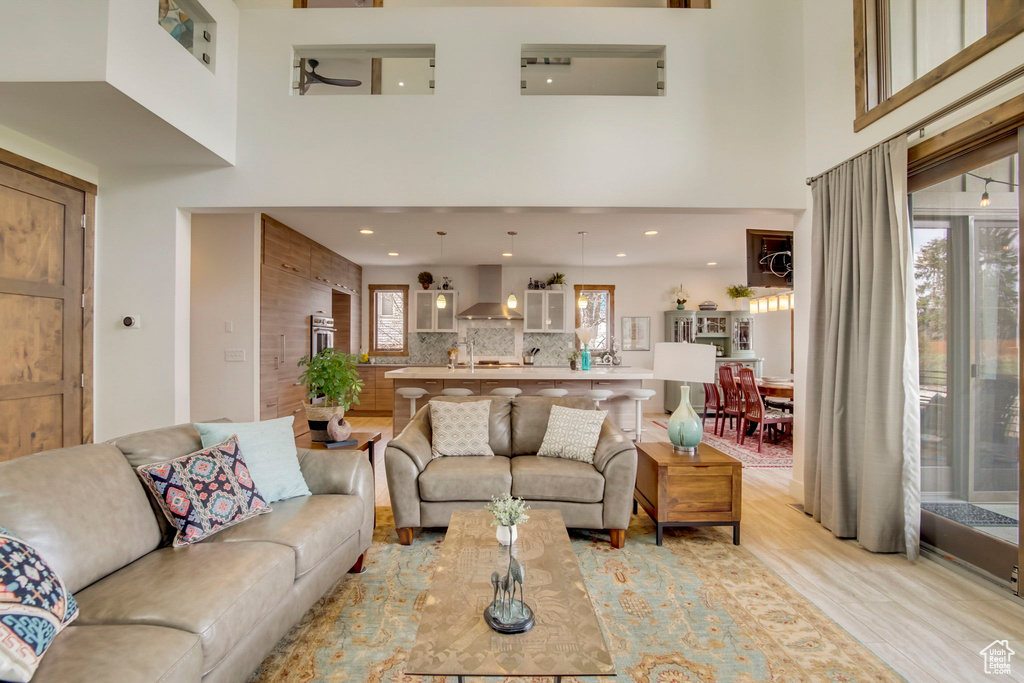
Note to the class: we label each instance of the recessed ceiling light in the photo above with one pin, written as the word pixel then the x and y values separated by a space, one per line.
pixel 366 231
pixel 712 263
pixel 651 232
pixel 620 255
pixel 401 84
pixel 392 253
pixel 549 80
pixel 507 253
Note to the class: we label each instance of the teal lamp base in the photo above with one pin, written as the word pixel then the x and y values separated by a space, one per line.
pixel 685 428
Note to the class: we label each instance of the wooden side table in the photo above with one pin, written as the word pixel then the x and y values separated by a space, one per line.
pixel 366 441
pixel 682 490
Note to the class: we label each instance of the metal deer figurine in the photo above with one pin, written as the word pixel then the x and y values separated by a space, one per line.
pixel 505 614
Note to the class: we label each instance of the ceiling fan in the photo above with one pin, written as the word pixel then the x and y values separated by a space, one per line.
pixel 311 77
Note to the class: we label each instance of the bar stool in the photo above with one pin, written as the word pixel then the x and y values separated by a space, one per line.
pixel 598 395
pixel 553 393
pixel 639 396
pixel 511 392
pixel 456 392
pixel 412 393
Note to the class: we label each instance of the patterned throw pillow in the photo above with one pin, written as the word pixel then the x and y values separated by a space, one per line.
pixel 34 607
pixel 460 428
pixel 204 492
pixel 572 433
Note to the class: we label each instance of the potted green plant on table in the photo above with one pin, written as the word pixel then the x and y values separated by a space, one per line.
pixel 573 357
pixel 426 278
pixel 556 282
pixel 741 295
pixel 508 513
pixel 334 378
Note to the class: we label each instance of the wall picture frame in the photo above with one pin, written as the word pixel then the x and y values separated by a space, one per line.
pixel 636 333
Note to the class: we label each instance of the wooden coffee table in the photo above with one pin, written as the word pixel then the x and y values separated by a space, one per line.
pixel 453 639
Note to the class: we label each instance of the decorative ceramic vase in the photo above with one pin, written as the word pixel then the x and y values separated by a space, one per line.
pixel 318 416
pixel 507 535
pixel 338 429
pixel 742 303
pixel 585 358
pixel 572 365
pixel 426 285
pixel 685 428
pixel 680 307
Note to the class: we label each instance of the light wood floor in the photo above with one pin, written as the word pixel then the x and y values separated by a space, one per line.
pixel 924 620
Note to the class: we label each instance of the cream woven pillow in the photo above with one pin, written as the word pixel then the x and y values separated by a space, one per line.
pixel 460 428
pixel 572 433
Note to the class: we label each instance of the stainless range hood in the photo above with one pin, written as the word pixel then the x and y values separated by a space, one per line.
pixel 491 304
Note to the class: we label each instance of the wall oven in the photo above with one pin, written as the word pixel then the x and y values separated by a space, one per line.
pixel 321 333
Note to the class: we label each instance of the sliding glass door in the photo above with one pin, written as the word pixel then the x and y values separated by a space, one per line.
pixel 966 242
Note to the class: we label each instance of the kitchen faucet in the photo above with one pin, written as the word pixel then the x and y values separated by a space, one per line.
pixel 469 347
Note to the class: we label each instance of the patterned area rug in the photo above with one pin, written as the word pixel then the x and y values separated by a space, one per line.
pixel 771 455
pixel 969 514
pixel 696 609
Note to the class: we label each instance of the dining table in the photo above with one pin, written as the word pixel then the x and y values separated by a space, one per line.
pixel 775 388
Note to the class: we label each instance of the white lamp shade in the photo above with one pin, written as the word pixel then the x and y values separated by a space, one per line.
pixel 682 362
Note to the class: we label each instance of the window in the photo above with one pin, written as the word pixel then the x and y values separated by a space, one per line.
pixel 389 320
pixel 192 26
pixel 364 70
pixel 904 47
pixel 599 314
pixel 616 70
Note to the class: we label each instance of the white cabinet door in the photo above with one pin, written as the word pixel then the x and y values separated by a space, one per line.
pixel 423 311
pixel 445 320
pixel 534 311
pixel 555 311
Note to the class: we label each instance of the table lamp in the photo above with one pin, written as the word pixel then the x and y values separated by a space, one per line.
pixel 683 362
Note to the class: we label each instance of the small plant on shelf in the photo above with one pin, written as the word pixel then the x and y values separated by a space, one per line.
pixel 508 511
pixel 739 292
pixel 680 296
pixel 426 278
pixel 556 281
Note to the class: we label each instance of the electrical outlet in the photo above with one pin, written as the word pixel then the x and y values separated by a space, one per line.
pixel 229 326
pixel 234 355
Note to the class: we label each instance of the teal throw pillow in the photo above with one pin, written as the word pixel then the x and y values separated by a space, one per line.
pixel 269 448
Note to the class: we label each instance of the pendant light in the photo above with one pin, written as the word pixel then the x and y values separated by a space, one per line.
pixel 581 302
pixel 512 301
pixel 442 300
pixel 985 201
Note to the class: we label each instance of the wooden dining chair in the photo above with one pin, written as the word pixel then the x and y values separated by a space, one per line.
pixel 755 412
pixel 732 407
pixel 712 402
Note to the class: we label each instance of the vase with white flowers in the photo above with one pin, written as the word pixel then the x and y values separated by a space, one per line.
pixel 585 335
pixel 508 513
pixel 680 296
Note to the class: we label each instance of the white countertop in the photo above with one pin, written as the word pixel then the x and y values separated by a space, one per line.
pixel 524 373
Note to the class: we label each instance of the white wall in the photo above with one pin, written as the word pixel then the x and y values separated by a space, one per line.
pixel 638 292
pixel 225 288
pixel 54 40
pixel 13 141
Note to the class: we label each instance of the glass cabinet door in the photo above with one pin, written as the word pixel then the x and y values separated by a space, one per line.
pixel 535 311
pixel 554 312
pixel 423 319
pixel 742 334
pixel 446 316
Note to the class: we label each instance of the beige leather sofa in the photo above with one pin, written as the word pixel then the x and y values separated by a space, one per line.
pixel 151 612
pixel 425 491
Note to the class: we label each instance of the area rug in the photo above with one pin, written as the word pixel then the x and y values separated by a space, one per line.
pixel 969 514
pixel 771 455
pixel 696 609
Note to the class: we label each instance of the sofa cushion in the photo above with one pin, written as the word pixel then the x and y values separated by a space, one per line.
pixel 539 478
pixel 459 428
pixel 269 448
pixel 218 591
pixel 530 419
pixel 498 422
pixel 82 508
pixel 127 654
pixel 447 479
pixel 34 607
pixel 312 526
pixel 204 492
pixel 156 445
pixel 572 434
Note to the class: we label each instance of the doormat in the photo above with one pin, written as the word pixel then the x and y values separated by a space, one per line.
pixel 969 514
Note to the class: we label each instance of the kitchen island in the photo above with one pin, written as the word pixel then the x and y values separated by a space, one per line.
pixel 482 380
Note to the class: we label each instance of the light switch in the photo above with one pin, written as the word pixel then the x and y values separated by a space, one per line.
pixel 229 326
pixel 234 355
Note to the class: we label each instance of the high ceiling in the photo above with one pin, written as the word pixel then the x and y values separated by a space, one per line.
pixel 547 237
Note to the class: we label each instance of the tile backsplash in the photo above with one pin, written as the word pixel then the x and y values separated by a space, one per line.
pixel 424 347
pixel 553 347
pixel 489 342
pixel 493 341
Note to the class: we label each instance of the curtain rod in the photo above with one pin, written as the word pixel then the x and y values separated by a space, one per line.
pixel 1009 76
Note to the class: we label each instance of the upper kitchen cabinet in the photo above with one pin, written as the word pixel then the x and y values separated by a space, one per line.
pixel 285 249
pixel 545 310
pixel 321 265
pixel 427 317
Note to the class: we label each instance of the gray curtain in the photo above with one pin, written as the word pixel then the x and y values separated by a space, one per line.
pixel 862 463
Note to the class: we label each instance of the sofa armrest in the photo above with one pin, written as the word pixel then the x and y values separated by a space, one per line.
pixel 611 442
pixel 345 473
pixel 415 439
pixel 619 484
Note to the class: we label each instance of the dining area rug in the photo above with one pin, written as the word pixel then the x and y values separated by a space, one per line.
pixel 771 455
pixel 696 609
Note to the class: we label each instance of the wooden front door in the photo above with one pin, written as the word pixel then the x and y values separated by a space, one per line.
pixel 41 313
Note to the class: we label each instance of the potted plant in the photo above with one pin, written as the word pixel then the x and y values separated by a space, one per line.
pixel 741 295
pixel 680 296
pixel 334 377
pixel 556 281
pixel 573 357
pixel 426 279
pixel 508 513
